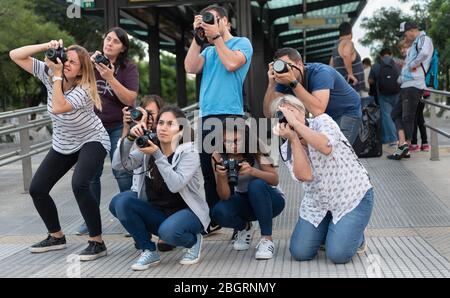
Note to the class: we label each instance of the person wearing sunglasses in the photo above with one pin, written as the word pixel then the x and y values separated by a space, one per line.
pixel 318 86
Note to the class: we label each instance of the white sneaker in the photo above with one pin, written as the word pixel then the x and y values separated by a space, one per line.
pixel 265 249
pixel 243 238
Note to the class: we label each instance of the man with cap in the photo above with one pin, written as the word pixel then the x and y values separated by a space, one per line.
pixel 412 83
pixel 318 86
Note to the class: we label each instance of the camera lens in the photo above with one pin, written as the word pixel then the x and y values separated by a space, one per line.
pixel 208 18
pixel 280 66
pixel 280 116
pixel 102 59
pixel 136 115
pixel 142 141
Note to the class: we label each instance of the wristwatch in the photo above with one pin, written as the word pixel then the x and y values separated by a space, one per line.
pixel 54 79
pixel 216 37
pixel 293 84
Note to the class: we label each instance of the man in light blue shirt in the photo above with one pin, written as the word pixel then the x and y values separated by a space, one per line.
pixel 224 66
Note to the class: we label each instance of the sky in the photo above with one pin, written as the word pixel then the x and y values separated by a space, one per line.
pixel 368 11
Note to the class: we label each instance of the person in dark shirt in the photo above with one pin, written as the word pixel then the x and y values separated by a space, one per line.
pixel 319 87
pixel 118 86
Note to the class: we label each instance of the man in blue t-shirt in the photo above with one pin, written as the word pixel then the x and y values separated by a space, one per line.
pixel 321 89
pixel 224 66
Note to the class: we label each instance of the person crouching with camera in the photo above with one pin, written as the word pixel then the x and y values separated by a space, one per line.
pixel 338 199
pixel 174 210
pixel 246 184
pixel 79 139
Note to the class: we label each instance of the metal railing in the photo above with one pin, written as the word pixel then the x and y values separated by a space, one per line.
pixel 27 150
pixel 434 102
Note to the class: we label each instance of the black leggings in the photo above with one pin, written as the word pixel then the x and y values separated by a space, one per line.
pixel 420 122
pixel 54 166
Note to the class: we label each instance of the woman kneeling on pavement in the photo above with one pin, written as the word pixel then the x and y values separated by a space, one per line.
pixel 175 210
pixel 338 198
pixel 252 196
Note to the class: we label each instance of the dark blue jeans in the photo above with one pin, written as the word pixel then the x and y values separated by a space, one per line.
pixel 349 127
pixel 140 218
pixel 262 202
pixel 123 178
pixel 341 240
pixel 388 130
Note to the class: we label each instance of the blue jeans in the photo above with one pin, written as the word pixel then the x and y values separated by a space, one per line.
pixel 341 240
pixel 365 101
pixel 262 202
pixel 141 218
pixel 349 127
pixel 123 178
pixel 388 131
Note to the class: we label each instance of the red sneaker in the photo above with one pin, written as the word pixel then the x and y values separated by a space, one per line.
pixel 414 148
pixel 425 147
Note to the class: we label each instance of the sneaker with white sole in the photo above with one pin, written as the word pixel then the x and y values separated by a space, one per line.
pixel 49 244
pixel 82 230
pixel 147 259
pixel 192 255
pixel 265 249
pixel 94 251
pixel 243 238
pixel 362 248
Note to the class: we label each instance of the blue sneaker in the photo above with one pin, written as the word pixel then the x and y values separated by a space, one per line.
pixel 192 254
pixel 148 258
pixel 82 230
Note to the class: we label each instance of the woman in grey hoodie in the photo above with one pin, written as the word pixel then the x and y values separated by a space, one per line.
pixel 174 210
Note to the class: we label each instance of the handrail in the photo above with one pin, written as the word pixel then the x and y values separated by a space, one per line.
pixel 433 127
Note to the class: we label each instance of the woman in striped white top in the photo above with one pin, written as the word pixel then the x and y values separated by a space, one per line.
pixel 79 139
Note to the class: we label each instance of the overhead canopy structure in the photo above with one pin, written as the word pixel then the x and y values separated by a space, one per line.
pixel 307 25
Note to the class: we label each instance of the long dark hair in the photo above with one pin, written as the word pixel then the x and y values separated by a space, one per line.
pixel 123 37
pixel 250 137
pixel 157 181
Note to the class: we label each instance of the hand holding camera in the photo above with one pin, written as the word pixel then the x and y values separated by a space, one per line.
pixel 246 169
pixel 204 27
pixel 283 72
pixel 102 64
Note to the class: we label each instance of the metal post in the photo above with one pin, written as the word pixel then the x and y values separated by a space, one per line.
pixel 181 72
pixel 304 31
pixel 153 53
pixel 25 149
pixel 434 136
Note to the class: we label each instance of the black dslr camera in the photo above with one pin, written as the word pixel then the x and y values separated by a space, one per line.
pixel 279 66
pixel 282 119
pixel 135 114
pixel 232 166
pixel 53 54
pixel 102 59
pixel 142 141
pixel 200 37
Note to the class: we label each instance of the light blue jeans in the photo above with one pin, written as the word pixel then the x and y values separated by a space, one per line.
pixel 141 218
pixel 341 240
pixel 388 130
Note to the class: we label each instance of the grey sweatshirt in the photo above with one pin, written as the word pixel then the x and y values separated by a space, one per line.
pixel 182 176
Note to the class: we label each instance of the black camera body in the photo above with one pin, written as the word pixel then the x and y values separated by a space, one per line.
pixel 232 166
pixel 279 66
pixel 53 54
pixel 142 141
pixel 102 59
pixel 208 18
pixel 280 116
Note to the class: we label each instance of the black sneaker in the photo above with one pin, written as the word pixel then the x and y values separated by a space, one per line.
pixel 94 251
pixel 212 229
pixel 162 246
pixel 48 244
pixel 401 152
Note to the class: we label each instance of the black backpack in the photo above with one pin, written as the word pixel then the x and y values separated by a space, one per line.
pixel 368 142
pixel 387 80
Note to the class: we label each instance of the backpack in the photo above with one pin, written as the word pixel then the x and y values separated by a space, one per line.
pixel 368 143
pixel 387 80
pixel 431 75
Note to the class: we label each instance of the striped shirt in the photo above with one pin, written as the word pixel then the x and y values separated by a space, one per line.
pixel 357 67
pixel 73 129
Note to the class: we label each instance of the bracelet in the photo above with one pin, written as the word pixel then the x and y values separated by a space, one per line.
pixel 216 37
pixel 54 79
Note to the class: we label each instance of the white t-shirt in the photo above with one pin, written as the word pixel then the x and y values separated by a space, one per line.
pixel 73 129
pixel 339 182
